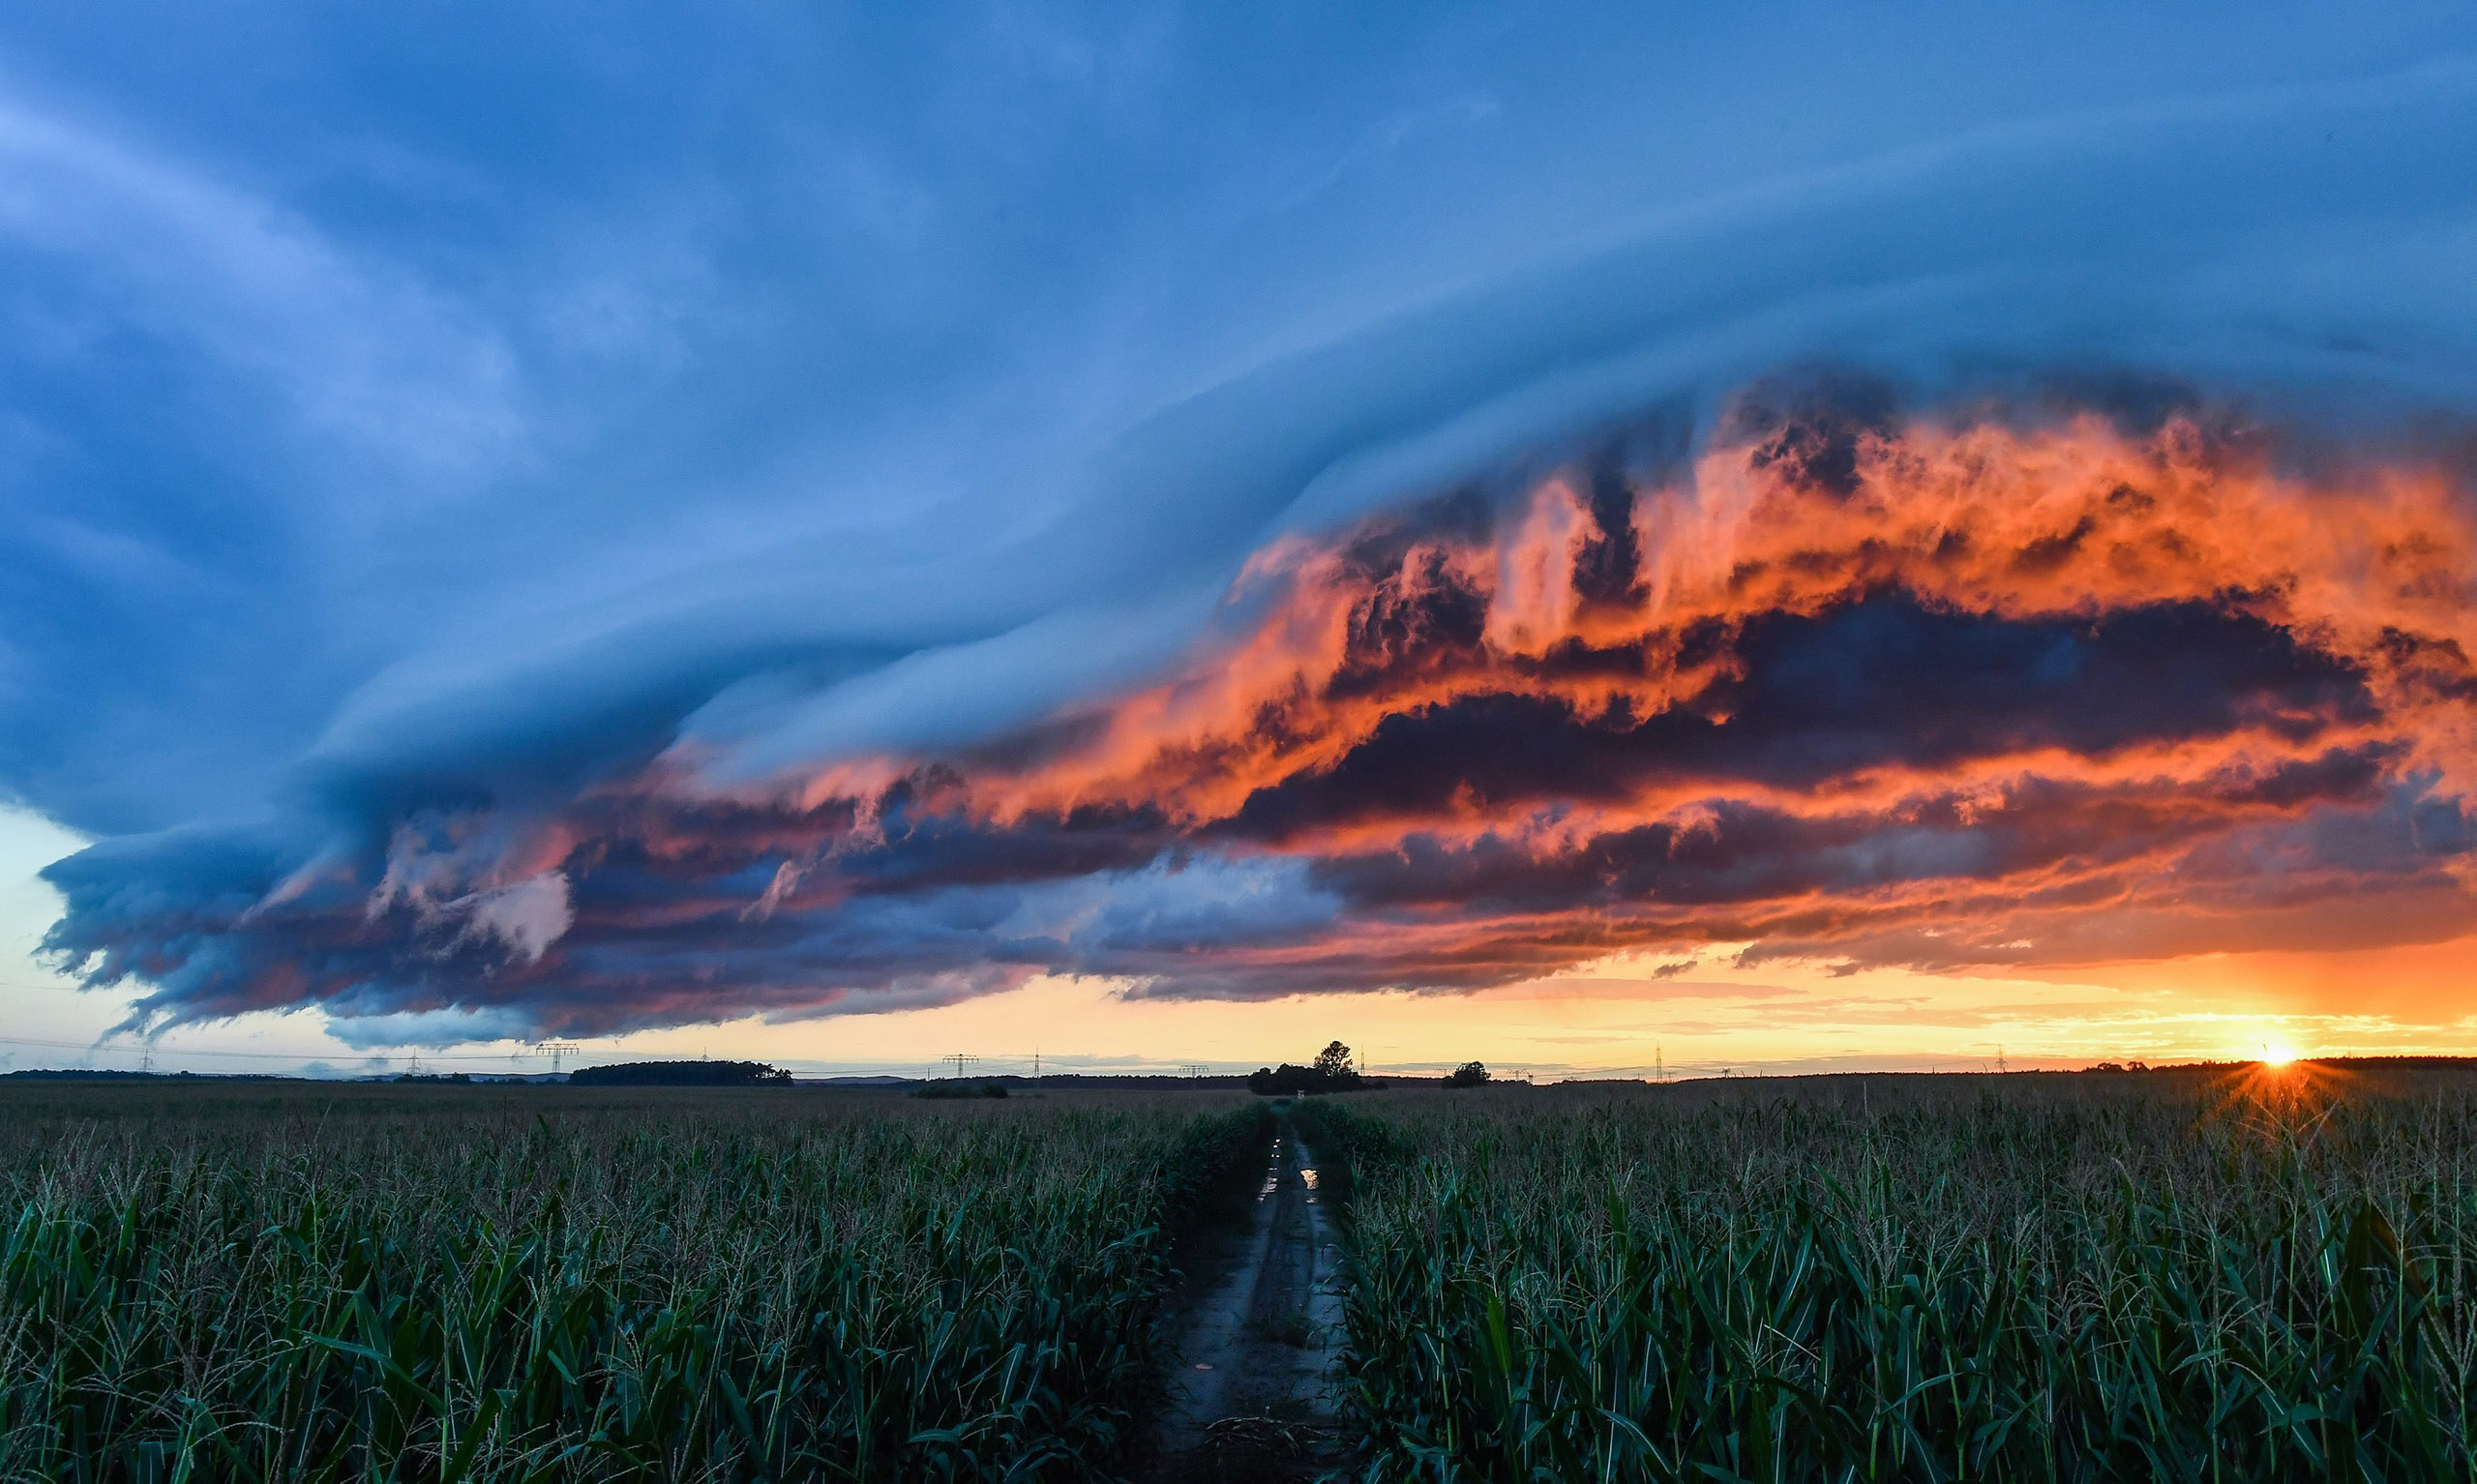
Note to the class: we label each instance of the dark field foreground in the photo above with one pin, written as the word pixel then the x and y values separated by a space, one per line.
pixel 2205 1276
pixel 2176 1275
pixel 304 1282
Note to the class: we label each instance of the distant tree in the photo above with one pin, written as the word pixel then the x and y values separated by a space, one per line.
pixel 1331 1072
pixel 1470 1073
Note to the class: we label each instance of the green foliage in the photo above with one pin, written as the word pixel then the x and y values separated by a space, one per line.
pixel 2101 1281
pixel 539 1285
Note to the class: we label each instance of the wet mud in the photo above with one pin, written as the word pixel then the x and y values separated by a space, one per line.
pixel 1252 1339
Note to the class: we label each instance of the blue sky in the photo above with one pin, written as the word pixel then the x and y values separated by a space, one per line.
pixel 450 408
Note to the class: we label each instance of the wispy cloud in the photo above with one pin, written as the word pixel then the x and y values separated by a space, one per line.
pixel 364 353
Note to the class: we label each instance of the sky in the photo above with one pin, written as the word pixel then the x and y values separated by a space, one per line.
pixel 1591 538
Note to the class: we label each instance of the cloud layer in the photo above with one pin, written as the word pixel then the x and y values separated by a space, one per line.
pixel 1845 682
pixel 2044 544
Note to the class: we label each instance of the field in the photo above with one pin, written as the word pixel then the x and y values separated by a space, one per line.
pixel 2203 1276
pixel 369 1282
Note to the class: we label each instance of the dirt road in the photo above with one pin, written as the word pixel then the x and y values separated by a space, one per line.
pixel 1254 1336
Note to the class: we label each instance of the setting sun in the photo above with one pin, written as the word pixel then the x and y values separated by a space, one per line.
pixel 2276 1054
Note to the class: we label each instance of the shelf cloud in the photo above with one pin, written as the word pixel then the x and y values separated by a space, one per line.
pixel 2051 546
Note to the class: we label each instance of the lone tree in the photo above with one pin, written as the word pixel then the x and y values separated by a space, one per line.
pixel 1331 1072
pixel 1470 1073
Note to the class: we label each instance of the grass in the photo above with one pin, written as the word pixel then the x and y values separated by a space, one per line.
pixel 530 1284
pixel 2177 1276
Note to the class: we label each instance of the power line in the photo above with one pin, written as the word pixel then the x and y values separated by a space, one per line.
pixel 145 1048
pixel 348 1056
pixel 148 1049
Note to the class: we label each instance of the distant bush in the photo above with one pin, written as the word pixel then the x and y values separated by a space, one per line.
pixel 1470 1073
pixel 960 1089
pixel 681 1074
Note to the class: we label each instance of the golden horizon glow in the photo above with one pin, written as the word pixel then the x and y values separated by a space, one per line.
pixel 1625 1016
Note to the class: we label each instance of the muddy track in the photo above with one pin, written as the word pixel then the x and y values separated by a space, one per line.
pixel 1253 1337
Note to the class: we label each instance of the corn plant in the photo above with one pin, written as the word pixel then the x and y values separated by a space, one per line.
pixel 358 1284
pixel 2024 1278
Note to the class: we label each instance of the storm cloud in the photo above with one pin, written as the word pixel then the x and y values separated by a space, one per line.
pixel 2047 544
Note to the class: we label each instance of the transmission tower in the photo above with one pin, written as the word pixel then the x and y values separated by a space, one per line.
pixel 146 1060
pixel 1197 1069
pixel 963 1062
pixel 557 1051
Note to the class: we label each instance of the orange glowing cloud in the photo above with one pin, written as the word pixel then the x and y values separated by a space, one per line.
pixel 1615 610
pixel 1937 693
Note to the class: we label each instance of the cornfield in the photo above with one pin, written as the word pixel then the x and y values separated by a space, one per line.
pixel 2179 1277
pixel 2163 1277
pixel 535 1285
